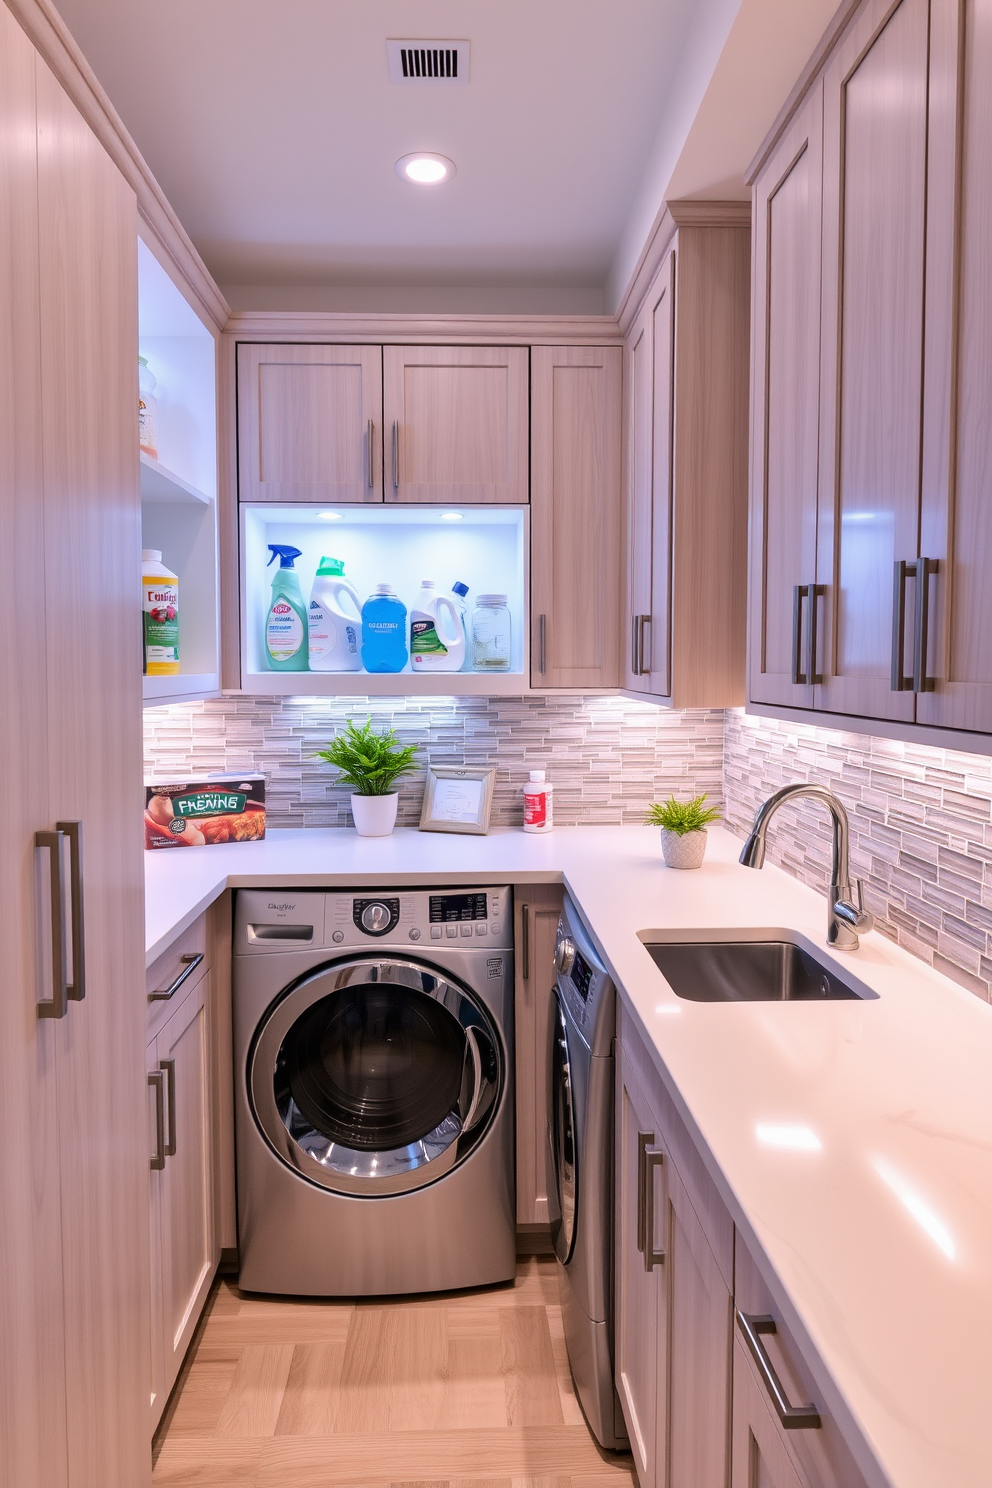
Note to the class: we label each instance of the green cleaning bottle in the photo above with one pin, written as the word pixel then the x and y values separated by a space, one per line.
pixel 286 621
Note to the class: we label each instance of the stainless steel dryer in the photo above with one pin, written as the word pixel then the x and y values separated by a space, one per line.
pixel 580 1169
pixel 374 1090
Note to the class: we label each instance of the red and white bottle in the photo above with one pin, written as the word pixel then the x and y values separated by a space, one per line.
pixel 538 806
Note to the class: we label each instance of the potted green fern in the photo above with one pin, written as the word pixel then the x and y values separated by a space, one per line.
pixel 683 829
pixel 371 762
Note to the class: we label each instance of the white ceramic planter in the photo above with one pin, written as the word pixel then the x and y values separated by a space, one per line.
pixel 375 816
pixel 685 850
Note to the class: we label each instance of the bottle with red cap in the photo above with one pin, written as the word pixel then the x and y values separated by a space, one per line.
pixel 538 809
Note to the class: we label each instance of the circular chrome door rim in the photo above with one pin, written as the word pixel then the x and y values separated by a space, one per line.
pixel 350 1170
pixel 565 1173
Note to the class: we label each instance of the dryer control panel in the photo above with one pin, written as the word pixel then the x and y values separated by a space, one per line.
pixel 469 918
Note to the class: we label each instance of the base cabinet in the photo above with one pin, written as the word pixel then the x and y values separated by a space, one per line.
pixel 184 1247
pixel 674 1277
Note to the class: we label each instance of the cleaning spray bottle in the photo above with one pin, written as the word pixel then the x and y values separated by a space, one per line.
pixel 437 635
pixel 286 620
pixel 335 617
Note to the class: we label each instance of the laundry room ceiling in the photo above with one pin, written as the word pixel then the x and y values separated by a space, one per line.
pixel 274 130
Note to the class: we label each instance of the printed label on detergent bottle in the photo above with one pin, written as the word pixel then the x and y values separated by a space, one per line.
pixel 425 641
pixel 161 620
pixel 283 631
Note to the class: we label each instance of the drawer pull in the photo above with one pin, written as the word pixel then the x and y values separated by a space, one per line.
pixel 792 1417
pixel 189 965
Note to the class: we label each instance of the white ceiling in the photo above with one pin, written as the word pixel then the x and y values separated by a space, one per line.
pixel 273 129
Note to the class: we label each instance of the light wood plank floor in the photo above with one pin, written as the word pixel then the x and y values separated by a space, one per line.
pixel 460 1390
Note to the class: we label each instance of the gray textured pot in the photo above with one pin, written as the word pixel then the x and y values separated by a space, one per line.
pixel 685 850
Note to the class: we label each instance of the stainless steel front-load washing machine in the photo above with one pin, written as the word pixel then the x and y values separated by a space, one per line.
pixel 373 1033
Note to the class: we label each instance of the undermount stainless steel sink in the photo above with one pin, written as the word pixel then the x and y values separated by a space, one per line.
pixel 769 970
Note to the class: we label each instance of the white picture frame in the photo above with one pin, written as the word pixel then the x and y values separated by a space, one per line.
pixel 458 798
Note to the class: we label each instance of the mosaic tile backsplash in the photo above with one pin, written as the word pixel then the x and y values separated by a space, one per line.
pixel 921 831
pixel 921 818
pixel 607 757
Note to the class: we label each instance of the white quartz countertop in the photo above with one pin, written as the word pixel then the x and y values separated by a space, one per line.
pixel 874 1234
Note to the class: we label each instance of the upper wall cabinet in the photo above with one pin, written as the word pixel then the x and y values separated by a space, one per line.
pixel 576 516
pixel 687 467
pixel 310 423
pixel 872 265
pixel 456 423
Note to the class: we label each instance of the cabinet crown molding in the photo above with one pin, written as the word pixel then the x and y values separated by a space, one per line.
pixel 341 326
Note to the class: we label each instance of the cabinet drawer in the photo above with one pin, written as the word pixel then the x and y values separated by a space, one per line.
pixel 820 1455
pixel 166 971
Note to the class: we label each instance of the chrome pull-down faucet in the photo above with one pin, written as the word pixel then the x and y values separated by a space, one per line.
pixel 845 918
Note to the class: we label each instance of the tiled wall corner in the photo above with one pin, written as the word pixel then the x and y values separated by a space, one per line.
pixel 606 756
pixel 921 830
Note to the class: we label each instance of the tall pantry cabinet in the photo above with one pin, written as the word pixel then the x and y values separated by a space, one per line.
pixel 74 1366
pixel 871 534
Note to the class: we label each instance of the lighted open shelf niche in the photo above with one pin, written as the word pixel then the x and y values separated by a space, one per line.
pixel 485 547
pixel 179 487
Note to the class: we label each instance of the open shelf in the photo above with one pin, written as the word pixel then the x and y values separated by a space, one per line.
pixel 178 489
pixel 485 547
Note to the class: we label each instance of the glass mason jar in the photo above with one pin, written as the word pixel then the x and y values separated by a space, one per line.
pixel 491 634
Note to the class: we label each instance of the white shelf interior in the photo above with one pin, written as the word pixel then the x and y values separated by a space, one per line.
pixel 179 488
pixel 485 548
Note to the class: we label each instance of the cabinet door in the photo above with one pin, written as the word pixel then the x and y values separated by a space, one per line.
pixel 785 384
pixel 956 526
pixel 88 311
pixel 456 423
pixel 157 1134
pixel 576 516
pixel 32 1403
pixel 649 526
pixel 536 911
pixel 189 1254
pixel 760 1457
pixel 641 1352
pixel 874 184
pixel 699 1350
pixel 310 423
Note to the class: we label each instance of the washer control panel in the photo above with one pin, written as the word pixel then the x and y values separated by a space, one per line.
pixel 471 918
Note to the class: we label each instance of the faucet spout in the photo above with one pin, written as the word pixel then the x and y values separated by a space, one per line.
pixel 845 917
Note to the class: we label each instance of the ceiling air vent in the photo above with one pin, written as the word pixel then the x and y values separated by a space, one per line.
pixel 428 61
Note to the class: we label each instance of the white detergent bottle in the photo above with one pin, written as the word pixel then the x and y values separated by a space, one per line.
pixel 334 621
pixel 437 635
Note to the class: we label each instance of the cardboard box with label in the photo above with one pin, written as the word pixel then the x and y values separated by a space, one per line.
pixel 206 812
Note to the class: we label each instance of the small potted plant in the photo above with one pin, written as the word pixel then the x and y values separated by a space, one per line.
pixel 683 829
pixel 372 763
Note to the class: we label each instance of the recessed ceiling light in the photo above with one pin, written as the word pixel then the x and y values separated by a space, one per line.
pixel 452 517
pixel 331 516
pixel 425 169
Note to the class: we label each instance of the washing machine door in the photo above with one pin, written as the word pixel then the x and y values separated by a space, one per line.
pixel 564 1173
pixel 375 1076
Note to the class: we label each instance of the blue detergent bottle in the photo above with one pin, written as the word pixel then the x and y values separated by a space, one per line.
pixel 384 647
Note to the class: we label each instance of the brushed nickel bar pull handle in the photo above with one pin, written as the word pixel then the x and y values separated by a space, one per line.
pixel 542 626
pixel 73 833
pixel 926 568
pixel 633 646
pixel 189 964
pixel 644 1141
pixel 57 1005
pixel 792 1417
pixel 396 455
pixel 902 571
pixel 370 450
pixel 653 1158
pixel 799 677
pixel 168 1066
pixel 525 942
pixel 640 621
pixel 157 1081
pixel 647 621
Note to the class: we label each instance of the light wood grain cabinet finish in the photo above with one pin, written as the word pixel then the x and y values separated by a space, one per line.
pixel 310 423
pixel 456 424
pixel 73 1233
pixel 893 225
pixel 536 909
pixel 687 401
pixel 576 516
pixel 184 1250
pixel 674 1280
